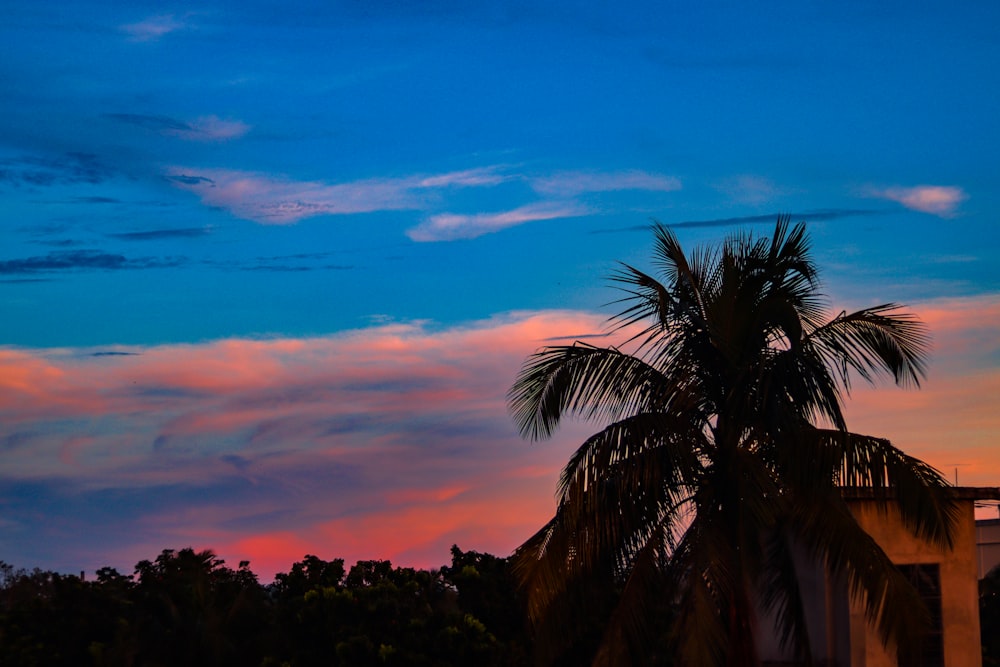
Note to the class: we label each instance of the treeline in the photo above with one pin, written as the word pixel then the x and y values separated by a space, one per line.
pixel 190 608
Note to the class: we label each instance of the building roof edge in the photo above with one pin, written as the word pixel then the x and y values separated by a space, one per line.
pixel 957 492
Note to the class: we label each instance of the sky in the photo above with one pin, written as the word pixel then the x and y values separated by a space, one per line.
pixel 267 270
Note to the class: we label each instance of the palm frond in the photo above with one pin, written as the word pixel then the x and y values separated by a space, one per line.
pixel 780 594
pixel 616 450
pixel 919 492
pixel 542 565
pixel 698 576
pixel 647 297
pixel 627 635
pixel 795 386
pixel 834 461
pixel 873 341
pixel 579 379
pixel 613 506
pixel 828 529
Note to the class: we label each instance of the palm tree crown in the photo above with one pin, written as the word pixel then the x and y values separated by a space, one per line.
pixel 723 450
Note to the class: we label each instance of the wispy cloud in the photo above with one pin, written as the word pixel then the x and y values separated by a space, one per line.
pixel 204 128
pixel 83 260
pixel 153 28
pixel 750 190
pixel 940 200
pixel 65 169
pixel 213 128
pixel 95 199
pixel 453 226
pixel 274 200
pixel 482 176
pixel 573 183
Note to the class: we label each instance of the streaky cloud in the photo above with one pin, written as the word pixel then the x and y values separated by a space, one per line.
pixel 483 176
pixel 160 234
pixel 289 268
pixel 187 179
pixel 573 183
pixel 295 262
pixel 453 226
pixel 69 168
pixel 96 200
pixel 204 128
pixel 150 122
pixel 77 260
pixel 58 243
pixel 16 440
pixel 820 215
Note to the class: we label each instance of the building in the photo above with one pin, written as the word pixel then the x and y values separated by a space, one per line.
pixel 987 545
pixel 947 579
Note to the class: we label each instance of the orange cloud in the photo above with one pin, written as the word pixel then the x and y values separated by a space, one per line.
pixel 389 442
pixel 952 421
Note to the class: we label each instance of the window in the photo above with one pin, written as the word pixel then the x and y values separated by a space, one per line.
pixel 926 578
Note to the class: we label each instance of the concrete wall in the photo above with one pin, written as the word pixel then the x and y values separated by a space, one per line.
pixel 959 587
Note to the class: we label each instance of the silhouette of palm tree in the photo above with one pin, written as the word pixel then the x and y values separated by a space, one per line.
pixel 724 451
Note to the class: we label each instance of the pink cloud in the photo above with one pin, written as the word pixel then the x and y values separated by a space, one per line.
pixel 388 442
pixel 940 200
pixel 274 200
pixel 90 417
pixel 452 226
pixel 270 200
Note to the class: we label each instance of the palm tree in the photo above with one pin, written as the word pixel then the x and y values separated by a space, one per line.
pixel 723 451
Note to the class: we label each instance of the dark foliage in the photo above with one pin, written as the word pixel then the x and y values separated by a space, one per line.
pixel 188 608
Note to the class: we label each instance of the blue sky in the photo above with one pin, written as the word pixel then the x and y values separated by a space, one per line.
pixel 261 187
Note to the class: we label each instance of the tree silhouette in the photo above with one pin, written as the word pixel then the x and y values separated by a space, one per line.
pixel 723 451
pixel 191 609
pixel 185 607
